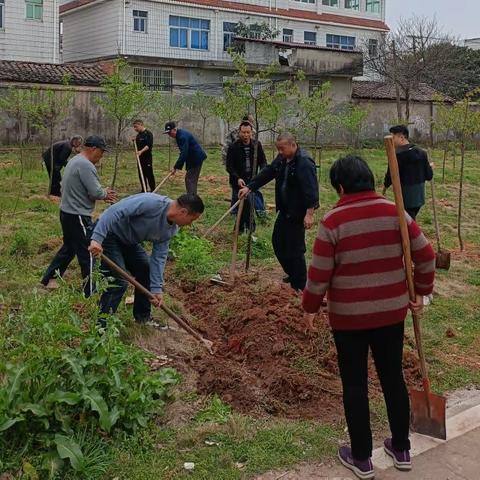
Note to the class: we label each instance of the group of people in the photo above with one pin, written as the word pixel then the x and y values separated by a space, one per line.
pixel 357 257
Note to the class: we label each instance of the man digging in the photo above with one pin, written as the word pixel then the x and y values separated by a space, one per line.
pixel 119 234
pixel 358 260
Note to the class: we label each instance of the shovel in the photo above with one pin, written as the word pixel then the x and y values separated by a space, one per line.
pixel 178 320
pixel 427 409
pixel 442 258
pixel 157 188
pixel 142 178
pixel 220 220
pixel 235 242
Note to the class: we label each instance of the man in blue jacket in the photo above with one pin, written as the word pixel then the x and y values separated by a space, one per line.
pixel 119 234
pixel 192 155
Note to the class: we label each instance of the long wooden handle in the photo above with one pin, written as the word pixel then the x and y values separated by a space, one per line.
pixel 150 295
pixel 219 221
pixel 157 188
pixel 142 178
pixel 235 241
pixel 397 191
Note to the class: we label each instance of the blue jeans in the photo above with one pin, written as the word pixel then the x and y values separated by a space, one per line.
pixel 134 259
pixel 259 201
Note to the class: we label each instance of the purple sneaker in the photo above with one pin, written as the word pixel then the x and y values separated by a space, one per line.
pixel 401 458
pixel 362 469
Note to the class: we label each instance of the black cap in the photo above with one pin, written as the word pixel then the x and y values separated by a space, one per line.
pixel 96 141
pixel 170 126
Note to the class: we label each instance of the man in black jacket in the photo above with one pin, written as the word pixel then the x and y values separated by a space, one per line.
pixel 61 152
pixel 296 198
pixel 144 141
pixel 414 169
pixel 239 165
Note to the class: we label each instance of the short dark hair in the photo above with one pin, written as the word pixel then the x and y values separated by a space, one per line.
pixel 353 174
pixel 138 122
pixel 192 202
pixel 400 129
pixel 246 124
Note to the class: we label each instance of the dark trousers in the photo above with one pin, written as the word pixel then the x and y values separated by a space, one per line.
pixel 386 344
pixel 288 241
pixel 147 170
pixel 247 208
pixel 76 237
pixel 191 179
pixel 56 178
pixel 413 212
pixel 134 259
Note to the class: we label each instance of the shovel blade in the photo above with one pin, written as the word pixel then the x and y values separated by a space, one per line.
pixel 442 260
pixel 428 421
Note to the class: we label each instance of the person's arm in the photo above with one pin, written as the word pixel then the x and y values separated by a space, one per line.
pixel 428 169
pixel 320 270
pixel 89 178
pixel 158 261
pixel 183 143
pixel 63 154
pixel 307 176
pixel 229 165
pixel 148 143
pixel 266 175
pixel 387 182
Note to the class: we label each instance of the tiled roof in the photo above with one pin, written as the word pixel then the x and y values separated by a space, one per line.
pixel 282 12
pixel 386 91
pixel 87 75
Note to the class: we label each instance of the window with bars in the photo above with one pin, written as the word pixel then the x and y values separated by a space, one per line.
pixel 140 19
pixel 340 42
pixel 352 4
pixel 288 35
pixel 157 79
pixel 228 34
pixel 307 1
pixel 188 32
pixel 330 3
pixel 373 6
pixel 34 9
pixel 372 47
pixel 310 38
pixel 2 14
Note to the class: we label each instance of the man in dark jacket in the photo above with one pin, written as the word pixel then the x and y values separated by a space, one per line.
pixel 296 198
pixel 144 141
pixel 61 152
pixel 239 165
pixel 191 155
pixel 414 169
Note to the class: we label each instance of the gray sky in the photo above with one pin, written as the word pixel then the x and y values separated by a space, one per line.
pixel 458 17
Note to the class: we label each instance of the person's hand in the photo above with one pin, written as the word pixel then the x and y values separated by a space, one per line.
pixel 243 192
pixel 308 221
pixel 111 196
pixel 241 183
pixel 173 172
pixel 95 248
pixel 417 306
pixel 157 299
pixel 308 322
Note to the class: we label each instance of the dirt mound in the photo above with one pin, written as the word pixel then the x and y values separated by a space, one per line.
pixel 265 363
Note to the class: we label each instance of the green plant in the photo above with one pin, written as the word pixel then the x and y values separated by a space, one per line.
pixel 21 243
pixel 214 412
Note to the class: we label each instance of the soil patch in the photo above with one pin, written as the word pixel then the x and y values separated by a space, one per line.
pixel 265 363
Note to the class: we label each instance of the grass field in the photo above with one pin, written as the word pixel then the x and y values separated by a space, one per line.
pixel 223 443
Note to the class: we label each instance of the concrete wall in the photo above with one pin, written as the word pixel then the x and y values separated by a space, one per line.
pixel 30 40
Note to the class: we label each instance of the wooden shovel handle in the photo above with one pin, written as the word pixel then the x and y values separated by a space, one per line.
pixel 235 240
pixel 142 178
pixel 219 221
pixel 157 188
pixel 397 191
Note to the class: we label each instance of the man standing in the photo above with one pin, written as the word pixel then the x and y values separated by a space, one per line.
pixel 191 155
pixel 61 151
pixel 119 233
pixel 80 189
pixel 414 169
pixel 296 198
pixel 239 165
pixel 358 260
pixel 144 142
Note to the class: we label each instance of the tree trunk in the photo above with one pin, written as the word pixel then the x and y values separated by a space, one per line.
pixel 318 154
pixel 445 153
pixel 117 155
pixel 407 106
pixel 397 88
pixel 203 131
pixel 460 196
pixel 51 161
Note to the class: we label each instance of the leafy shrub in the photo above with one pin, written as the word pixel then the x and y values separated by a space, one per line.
pixel 214 412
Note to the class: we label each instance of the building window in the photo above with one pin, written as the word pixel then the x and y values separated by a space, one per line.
pixel 340 42
pixel 306 1
pixel 154 78
pixel 352 4
pixel 288 35
pixel 189 32
pixel 2 13
pixel 228 35
pixel 373 6
pixel 34 9
pixel 309 38
pixel 372 47
pixel 140 19
pixel 330 3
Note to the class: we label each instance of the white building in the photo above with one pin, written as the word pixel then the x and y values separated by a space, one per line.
pixel 187 40
pixel 473 43
pixel 29 30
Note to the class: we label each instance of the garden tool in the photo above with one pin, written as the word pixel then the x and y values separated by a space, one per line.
pixel 235 241
pixel 219 221
pixel 142 178
pixel 157 188
pixel 428 410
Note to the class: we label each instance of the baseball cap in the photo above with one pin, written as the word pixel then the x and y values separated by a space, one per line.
pixel 170 126
pixel 96 141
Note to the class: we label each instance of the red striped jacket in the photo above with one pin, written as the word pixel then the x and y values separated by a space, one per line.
pixel 357 257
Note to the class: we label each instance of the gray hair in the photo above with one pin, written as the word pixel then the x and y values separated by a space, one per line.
pixel 287 137
pixel 76 137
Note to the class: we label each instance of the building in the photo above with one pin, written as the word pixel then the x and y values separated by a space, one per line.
pixel 29 30
pixel 185 42
pixel 473 43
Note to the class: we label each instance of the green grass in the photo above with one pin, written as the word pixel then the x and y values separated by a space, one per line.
pixel 242 446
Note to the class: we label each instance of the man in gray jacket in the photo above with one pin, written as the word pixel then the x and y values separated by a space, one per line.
pixel 119 233
pixel 80 189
